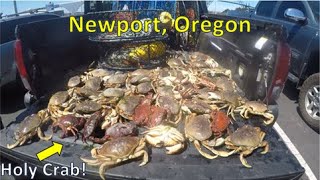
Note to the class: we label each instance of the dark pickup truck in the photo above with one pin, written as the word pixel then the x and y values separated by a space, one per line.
pixel 301 20
pixel 46 52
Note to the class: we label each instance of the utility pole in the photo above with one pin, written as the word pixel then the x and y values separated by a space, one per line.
pixel 15 7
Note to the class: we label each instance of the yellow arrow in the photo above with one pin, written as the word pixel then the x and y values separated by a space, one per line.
pixel 55 148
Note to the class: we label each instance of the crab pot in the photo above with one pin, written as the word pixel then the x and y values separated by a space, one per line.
pixel 130 50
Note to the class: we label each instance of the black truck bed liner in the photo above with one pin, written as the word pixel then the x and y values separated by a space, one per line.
pixel 279 163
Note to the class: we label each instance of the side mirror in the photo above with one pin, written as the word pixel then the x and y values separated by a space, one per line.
pixel 294 14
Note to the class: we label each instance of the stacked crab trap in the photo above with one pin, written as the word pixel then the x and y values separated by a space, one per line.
pixel 131 50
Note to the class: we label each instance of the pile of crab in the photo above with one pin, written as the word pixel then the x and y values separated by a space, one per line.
pixel 192 99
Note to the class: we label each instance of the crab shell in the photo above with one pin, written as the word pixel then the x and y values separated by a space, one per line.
pixel 90 125
pixel 74 81
pixel 164 90
pixel 165 136
pixel 198 127
pixel 135 80
pixel 198 106
pixel 116 80
pixel 121 130
pixel 99 73
pixel 157 116
pixel 144 88
pixel 220 122
pixel 87 107
pixel 245 140
pixel 93 83
pixel 86 92
pixel 58 98
pixel 115 131
pixel 137 72
pixel 127 105
pixel 113 92
pixel 116 151
pixel 224 84
pixel 169 103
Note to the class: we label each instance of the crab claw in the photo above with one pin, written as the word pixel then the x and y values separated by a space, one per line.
pixel 270 118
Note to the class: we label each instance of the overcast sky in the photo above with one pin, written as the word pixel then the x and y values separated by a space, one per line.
pixel 7 6
pixel 218 6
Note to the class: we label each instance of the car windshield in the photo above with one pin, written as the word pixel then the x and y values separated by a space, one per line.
pixel 315 9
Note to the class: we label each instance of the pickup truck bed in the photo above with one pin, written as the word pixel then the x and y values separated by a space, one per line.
pixel 56 52
pixel 278 163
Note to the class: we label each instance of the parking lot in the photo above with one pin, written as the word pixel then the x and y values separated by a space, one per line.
pixel 305 139
pixel 299 133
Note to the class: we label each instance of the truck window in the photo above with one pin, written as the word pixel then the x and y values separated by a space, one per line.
pixel 265 8
pixel 314 5
pixel 289 4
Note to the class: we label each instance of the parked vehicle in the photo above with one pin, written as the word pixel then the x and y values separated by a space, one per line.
pixel 259 68
pixel 8 71
pixel 301 20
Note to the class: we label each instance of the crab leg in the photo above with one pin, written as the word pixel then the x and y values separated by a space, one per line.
pixel 206 155
pixel 243 160
pixel 242 111
pixel 145 157
pixel 23 140
pixel 174 149
pixel 217 141
pixel 224 106
pixel 178 118
pixel 103 168
pixel 219 153
pixel 14 145
pixel 74 132
pixel 230 112
pixel 265 144
pixel 91 162
pixel 42 136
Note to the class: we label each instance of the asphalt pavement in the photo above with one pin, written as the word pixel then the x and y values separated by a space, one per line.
pixel 305 139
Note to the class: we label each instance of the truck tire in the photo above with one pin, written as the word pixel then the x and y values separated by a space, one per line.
pixel 309 101
pixel 1 124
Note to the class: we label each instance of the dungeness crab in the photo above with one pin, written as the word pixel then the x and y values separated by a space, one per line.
pixel 29 127
pixel 149 115
pixel 220 122
pixel 165 136
pixel 59 104
pixel 116 151
pixel 245 140
pixel 198 131
pixel 117 130
pixel 226 99
pixel 69 123
pixel 256 108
